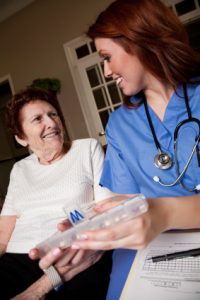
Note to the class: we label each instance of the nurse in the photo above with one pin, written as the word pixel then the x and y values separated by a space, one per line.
pixel 145 48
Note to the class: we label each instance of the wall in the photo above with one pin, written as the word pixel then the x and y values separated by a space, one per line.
pixel 31 46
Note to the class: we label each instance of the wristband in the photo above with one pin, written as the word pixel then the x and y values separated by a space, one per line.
pixel 54 277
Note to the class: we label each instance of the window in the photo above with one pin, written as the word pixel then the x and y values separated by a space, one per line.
pixel 184 7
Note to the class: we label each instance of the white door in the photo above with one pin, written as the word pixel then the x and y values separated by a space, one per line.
pixel 98 96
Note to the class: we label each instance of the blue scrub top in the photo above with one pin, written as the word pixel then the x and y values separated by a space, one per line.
pixel 129 162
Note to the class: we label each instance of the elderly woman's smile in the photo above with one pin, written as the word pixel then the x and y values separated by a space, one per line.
pixel 51 134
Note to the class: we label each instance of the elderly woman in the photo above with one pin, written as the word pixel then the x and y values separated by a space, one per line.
pixel 55 175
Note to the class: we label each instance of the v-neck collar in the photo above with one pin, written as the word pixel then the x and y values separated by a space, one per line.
pixel 164 129
pixel 162 132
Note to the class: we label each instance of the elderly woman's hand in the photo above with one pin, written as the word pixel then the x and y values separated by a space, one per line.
pixel 80 261
pixel 68 262
pixel 135 233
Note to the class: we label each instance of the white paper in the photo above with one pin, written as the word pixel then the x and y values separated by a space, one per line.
pixel 177 279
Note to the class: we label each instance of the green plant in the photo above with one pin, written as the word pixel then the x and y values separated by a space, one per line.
pixel 50 84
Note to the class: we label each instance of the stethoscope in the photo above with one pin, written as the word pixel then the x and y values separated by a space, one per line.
pixel 163 160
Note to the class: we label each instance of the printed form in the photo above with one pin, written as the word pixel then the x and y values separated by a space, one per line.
pixel 177 279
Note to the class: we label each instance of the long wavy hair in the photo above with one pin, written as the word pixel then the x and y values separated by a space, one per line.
pixel 151 31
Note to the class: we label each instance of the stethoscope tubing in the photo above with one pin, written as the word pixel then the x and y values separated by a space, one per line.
pixel 180 176
pixel 190 119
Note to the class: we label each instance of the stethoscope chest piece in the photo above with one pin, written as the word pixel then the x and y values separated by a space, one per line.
pixel 163 161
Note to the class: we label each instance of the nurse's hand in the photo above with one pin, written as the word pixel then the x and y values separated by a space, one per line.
pixel 135 233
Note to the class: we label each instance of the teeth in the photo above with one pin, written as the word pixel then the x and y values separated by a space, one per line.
pixel 51 134
pixel 118 80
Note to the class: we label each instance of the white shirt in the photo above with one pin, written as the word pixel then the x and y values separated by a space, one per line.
pixel 37 193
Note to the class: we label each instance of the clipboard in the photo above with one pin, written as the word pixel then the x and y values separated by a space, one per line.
pixel 178 279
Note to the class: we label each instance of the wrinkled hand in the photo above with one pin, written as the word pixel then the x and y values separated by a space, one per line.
pixel 135 233
pixel 68 262
pixel 82 260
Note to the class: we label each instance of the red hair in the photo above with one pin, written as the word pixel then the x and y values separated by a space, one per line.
pixel 151 31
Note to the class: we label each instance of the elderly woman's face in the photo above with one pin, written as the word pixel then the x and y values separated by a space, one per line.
pixel 42 127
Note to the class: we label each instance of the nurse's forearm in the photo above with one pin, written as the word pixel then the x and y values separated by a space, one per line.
pixel 183 212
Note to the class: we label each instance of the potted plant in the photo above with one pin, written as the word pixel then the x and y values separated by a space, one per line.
pixel 50 84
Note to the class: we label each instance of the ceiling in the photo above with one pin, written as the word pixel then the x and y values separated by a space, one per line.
pixel 10 7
